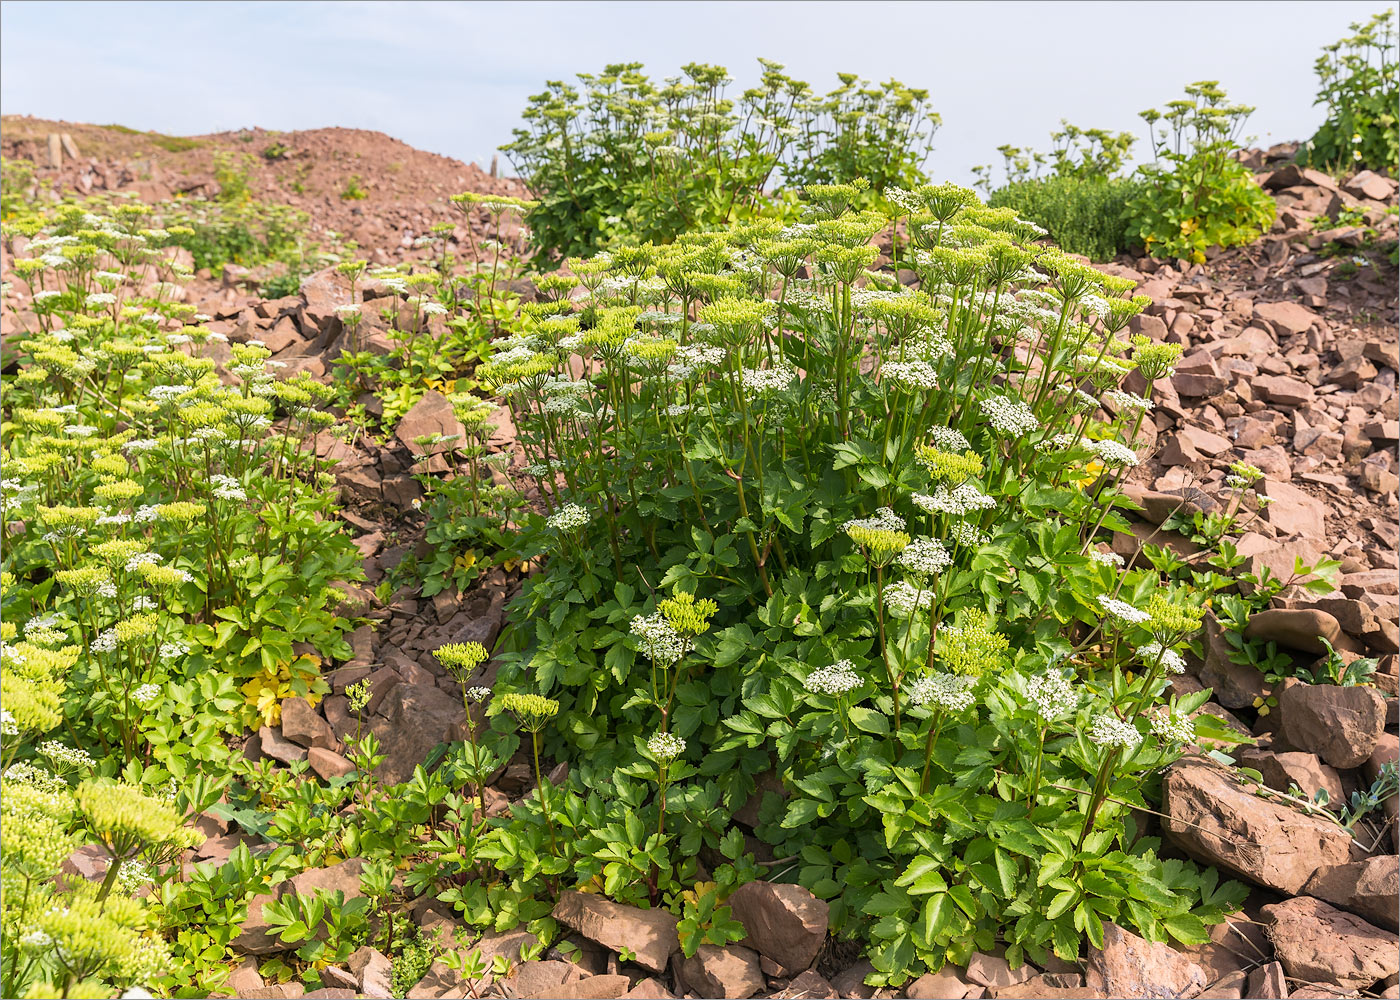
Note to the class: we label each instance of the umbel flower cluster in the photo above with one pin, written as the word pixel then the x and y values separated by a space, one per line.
pixel 890 496
pixel 166 553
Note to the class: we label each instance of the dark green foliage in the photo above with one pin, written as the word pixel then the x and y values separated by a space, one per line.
pixel 622 158
pixel 1361 89
pixel 1083 216
pixel 1195 195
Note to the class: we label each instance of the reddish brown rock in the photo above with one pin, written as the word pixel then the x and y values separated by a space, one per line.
pixel 1339 724
pixel 1128 966
pixel 995 972
pixel 1305 770
pixel 374 972
pixel 1369 184
pixel 255 934
pixel 811 986
pixel 604 987
pixel 945 984
pixel 784 923
pixel 1369 888
pixel 649 934
pixel 1296 628
pixel 321 293
pixel 1318 943
pixel 1235 685
pixel 328 764
pixel 304 727
pixel 1293 511
pixel 432 414
pixel 1267 982
pixel 728 973
pixel 1217 821
pixel 1287 317
pixel 1190 444
pixel 271 744
pixel 1282 390
pixel 651 989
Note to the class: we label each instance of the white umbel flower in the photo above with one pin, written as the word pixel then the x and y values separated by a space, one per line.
pixel 962 499
pixel 883 519
pixel 1121 611
pixel 660 642
pixel 924 557
pixel 666 746
pixel 1173 729
pixel 911 375
pixel 1008 416
pixel 1155 654
pixel 227 488
pixel 950 692
pixel 1053 694
pixel 569 517
pixel 949 440
pixel 834 679
pixel 1109 732
pixel 903 599
pixel 1115 454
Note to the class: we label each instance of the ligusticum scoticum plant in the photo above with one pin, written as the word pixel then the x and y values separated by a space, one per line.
pixel 811 521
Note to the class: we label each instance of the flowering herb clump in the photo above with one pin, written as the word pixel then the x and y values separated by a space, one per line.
pixel 820 528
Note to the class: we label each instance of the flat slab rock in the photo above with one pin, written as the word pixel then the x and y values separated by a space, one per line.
pixel 1369 888
pixel 649 934
pixel 1339 724
pixel 1216 820
pixel 1129 966
pixel 784 923
pixel 728 973
pixel 1318 943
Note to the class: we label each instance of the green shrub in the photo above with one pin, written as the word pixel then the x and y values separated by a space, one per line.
pixel 1084 154
pixel 249 233
pixel 624 159
pixel 1360 87
pixel 1194 194
pixel 1083 216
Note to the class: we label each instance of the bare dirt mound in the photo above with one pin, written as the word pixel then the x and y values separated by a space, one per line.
pixel 367 186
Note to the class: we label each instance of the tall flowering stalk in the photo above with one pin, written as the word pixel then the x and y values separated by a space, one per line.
pixel 532 713
pixel 462 660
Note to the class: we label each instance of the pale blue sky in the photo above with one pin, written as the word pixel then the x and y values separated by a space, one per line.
pixel 452 78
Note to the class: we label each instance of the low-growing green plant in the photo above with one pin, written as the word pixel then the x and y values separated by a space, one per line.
pixel 623 159
pixel 354 189
pixel 1195 195
pixel 169 143
pixel 1360 87
pixel 1335 669
pixel 410 965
